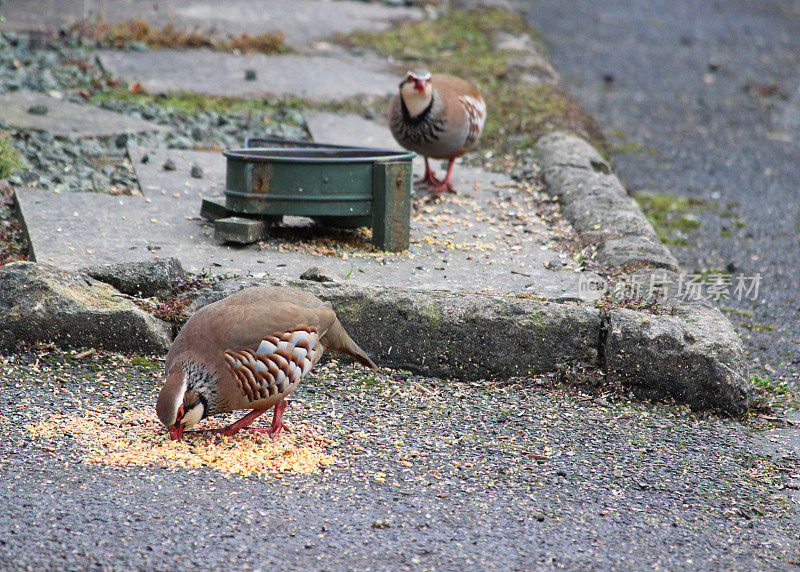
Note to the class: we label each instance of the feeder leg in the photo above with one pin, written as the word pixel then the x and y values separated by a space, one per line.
pixel 391 205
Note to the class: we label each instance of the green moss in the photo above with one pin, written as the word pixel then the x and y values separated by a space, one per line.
pixel 98 296
pixel 461 43
pixel 189 102
pixel 766 384
pixel 9 158
pixel 633 147
pixel 455 39
pixel 769 395
pixel 144 361
pixel 758 327
pixel 431 310
pixel 669 214
pixel 735 312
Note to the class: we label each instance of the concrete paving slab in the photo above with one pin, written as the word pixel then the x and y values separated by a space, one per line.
pixel 487 238
pixel 66 118
pixel 316 77
pixel 349 129
pixel 303 22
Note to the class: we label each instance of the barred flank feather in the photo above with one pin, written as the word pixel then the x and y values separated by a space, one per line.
pixel 277 365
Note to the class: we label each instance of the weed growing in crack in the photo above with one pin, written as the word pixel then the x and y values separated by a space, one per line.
pixel 652 305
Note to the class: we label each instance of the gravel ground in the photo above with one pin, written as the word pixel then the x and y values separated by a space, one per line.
pixel 65 68
pixel 428 474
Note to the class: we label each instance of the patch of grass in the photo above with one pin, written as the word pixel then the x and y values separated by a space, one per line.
pixel 758 327
pixel 633 147
pixel 769 396
pixel 651 305
pixel 9 158
pixel 457 39
pixel 189 102
pixel 126 33
pixel 764 383
pixel 736 312
pixel 668 215
pixel 461 43
pixel 13 245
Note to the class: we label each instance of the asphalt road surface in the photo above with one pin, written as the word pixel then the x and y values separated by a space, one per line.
pixel 701 99
pixel 428 475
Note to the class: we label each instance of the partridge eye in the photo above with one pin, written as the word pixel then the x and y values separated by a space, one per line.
pixel 179 414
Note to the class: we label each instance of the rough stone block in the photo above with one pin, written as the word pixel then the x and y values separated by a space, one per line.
pixel 143 279
pixel 239 229
pixel 40 303
pixel 694 357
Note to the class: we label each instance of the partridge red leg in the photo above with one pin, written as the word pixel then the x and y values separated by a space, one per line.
pixel 444 185
pixel 429 178
pixel 277 421
pixel 242 423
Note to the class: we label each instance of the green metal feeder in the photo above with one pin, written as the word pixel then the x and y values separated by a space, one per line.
pixel 344 187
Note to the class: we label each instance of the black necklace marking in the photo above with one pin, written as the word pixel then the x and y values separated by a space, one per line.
pixel 202 383
pixel 421 128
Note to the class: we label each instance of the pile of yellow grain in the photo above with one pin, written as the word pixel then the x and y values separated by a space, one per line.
pixel 135 437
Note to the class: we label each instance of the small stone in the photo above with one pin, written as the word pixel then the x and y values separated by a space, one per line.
pixel 121 140
pixel 319 274
pixel 137 46
pixel 249 75
pixel 380 524
pixel 169 165
pixel 38 110
pixel 48 82
pixel 28 177
pixel 197 171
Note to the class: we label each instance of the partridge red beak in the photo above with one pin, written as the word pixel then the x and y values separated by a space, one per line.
pixel 419 85
pixel 175 431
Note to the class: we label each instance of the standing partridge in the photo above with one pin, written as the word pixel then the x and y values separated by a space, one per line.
pixel 248 351
pixel 438 116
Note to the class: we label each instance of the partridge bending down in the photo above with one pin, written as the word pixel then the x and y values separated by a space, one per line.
pixel 248 351
pixel 438 116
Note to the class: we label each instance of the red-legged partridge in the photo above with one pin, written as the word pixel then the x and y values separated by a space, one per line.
pixel 438 116
pixel 248 351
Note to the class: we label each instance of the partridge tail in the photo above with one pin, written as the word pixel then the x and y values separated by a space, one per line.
pixel 337 339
